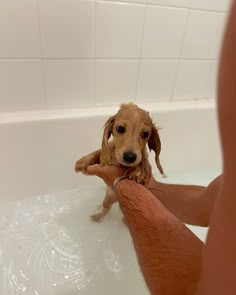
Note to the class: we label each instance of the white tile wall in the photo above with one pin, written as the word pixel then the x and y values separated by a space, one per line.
pixel 19 29
pixel 128 1
pixel 203 35
pixel 163 32
pixel 119 30
pixel 75 53
pixel 212 85
pixel 175 3
pixel 214 5
pixel 21 85
pixel 115 81
pixel 67 28
pixel 69 83
pixel 156 80
pixel 192 80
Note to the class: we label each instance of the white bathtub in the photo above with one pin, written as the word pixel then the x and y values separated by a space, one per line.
pixel 47 243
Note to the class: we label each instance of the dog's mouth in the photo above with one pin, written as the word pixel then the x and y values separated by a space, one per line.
pixel 123 163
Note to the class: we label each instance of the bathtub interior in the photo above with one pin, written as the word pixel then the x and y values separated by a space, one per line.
pixel 48 245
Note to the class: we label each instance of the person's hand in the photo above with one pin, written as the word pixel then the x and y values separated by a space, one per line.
pixel 108 173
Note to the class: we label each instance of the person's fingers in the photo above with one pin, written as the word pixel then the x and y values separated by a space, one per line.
pixel 108 172
pixel 95 169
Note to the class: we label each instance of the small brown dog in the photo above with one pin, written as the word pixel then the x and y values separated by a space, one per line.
pixel 132 129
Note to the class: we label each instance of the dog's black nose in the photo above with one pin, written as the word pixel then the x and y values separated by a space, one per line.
pixel 129 157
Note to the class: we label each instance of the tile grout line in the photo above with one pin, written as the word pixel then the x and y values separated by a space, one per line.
pixel 140 53
pixel 163 5
pixel 179 58
pixel 42 59
pixel 110 58
pixel 211 72
pixel 94 54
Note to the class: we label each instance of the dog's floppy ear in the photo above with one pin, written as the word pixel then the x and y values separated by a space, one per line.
pixel 154 144
pixel 105 155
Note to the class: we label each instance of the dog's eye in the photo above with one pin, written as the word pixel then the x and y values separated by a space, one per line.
pixel 145 134
pixel 120 129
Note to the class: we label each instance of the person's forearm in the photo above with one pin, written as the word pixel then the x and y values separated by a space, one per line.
pixel 192 204
pixel 219 262
pixel 168 252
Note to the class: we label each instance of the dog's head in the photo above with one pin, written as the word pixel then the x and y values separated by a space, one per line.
pixel 132 129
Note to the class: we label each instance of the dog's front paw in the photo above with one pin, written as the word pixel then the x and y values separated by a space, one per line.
pixel 98 217
pixel 82 164
pixel 137 174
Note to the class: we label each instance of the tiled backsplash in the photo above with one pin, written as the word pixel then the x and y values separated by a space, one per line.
pixel 75 53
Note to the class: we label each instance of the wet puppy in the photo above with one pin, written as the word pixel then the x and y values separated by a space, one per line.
pixel 132 130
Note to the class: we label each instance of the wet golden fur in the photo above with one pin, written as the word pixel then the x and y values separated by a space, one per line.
pixel 127 148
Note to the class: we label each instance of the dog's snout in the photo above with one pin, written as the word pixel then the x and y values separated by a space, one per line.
pixel 129 157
